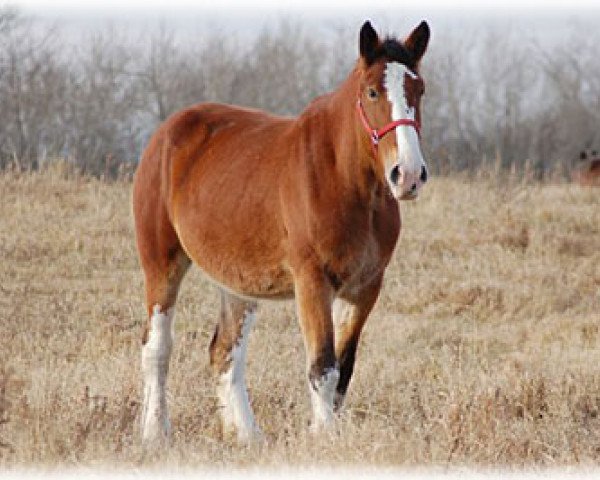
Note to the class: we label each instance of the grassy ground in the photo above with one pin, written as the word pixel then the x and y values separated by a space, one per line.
pixel 483 349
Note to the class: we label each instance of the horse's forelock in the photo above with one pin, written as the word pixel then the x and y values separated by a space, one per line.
pixel 394 51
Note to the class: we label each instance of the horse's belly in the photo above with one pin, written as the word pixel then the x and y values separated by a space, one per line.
pixel 248 263
pixel 247 279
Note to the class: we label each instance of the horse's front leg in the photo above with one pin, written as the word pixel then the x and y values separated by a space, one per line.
pixel 349 317
pixel 314 296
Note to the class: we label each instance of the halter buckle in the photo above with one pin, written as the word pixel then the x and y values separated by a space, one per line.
pixel 375 137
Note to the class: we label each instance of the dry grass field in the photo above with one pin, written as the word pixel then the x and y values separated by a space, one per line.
pixel 483 350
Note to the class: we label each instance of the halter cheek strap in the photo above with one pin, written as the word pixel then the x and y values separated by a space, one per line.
pixel 377 134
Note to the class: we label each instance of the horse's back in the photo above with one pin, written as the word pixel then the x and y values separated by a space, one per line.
pixel 205 138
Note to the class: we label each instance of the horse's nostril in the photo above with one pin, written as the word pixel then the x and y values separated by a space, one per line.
pixel 423 174
pixel 395 174
pixel 413 188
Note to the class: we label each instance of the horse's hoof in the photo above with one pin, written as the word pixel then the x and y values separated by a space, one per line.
pixel 157 435
pixel 245 437
pixel 251 438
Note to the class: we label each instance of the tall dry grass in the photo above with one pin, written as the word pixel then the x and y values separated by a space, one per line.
pixel 484 347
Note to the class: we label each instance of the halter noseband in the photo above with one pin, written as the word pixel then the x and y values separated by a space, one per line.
pixel 377 134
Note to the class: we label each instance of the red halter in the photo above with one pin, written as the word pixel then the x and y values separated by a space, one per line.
pixel 376 135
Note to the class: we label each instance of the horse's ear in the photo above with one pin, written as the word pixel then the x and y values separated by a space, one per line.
pixel 417 41
pixel 369 41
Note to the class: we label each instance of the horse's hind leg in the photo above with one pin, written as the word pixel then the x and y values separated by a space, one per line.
pixel 228 358
pixel 161 292
pixel 164 263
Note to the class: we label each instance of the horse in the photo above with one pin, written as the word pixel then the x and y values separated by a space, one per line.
pixel 587 173
pixel 272 207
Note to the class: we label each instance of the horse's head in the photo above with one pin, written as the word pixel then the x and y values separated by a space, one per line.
pixel 587 171
pixel 388 107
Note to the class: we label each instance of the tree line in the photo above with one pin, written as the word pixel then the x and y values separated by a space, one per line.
pixel 492 98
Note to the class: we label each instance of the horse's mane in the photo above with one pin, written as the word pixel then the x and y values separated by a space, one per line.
pixel 394 51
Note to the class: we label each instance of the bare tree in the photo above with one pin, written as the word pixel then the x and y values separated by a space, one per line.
pixel 170 74
pixel 282 71
pixel 32 83
pixel 99 119
pixel 493 97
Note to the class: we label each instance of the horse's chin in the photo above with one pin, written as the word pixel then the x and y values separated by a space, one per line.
pixel 400 196
pixel 409 196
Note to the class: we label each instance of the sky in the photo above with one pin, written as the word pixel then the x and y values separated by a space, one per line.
pixel 245 18
pixel 305 5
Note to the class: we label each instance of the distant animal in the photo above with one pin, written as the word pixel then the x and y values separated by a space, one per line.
pixel 270 207
pixel 587 172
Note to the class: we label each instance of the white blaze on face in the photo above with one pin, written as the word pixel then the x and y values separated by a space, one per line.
pixel 407 156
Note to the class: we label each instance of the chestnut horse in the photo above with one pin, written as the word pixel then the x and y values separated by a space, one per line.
pixel 273 208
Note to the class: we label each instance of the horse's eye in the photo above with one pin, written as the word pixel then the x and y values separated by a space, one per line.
pixel 372 93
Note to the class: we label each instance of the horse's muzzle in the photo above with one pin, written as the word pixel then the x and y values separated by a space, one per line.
pixel 407 183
